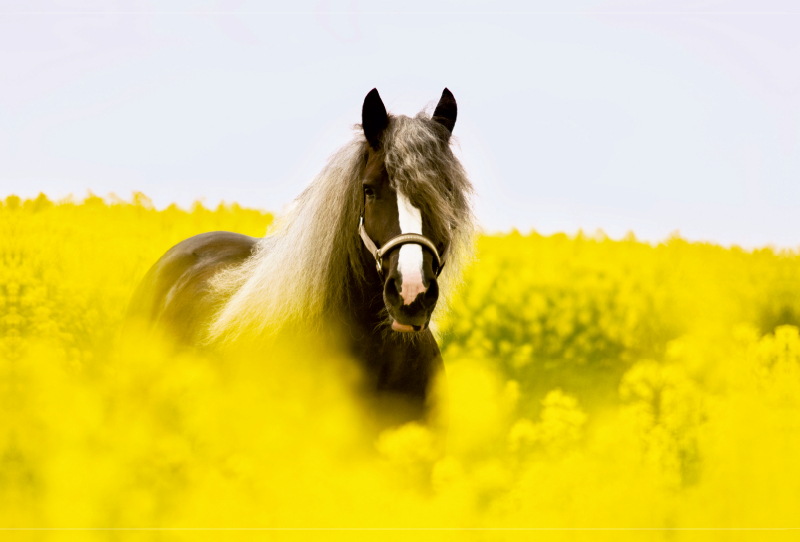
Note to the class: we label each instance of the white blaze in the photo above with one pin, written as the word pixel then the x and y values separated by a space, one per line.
pixel 410 258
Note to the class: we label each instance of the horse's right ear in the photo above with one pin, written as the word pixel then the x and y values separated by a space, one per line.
pixel 374 118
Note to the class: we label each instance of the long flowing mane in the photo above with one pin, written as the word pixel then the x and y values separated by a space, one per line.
pixel 299 271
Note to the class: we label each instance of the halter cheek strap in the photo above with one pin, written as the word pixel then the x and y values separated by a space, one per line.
pixel 402 239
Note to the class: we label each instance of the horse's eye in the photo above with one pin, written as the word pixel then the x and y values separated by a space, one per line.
pixel 369 192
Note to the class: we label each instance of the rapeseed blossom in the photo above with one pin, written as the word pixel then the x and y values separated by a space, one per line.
pixel 590 383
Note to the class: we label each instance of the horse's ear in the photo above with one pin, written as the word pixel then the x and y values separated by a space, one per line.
pixel 446 110
pixel 374 118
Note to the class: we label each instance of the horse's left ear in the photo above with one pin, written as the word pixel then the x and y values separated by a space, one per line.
pixel 446 110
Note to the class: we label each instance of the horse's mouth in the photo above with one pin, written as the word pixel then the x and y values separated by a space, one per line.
pixel 405 328
pixel 408 319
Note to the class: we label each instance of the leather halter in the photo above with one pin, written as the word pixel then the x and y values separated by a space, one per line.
pixel 396 241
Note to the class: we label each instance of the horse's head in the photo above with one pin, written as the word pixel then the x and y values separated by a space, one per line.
pixel 409 211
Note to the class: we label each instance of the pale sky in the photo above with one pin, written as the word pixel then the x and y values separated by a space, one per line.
pixel 643 116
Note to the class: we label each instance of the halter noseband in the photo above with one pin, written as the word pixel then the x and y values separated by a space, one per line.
pixel 396 241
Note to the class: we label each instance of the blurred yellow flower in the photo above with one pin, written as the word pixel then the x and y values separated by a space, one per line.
pixel 591 383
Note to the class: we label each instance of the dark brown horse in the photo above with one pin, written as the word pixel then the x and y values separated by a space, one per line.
pixel 364 253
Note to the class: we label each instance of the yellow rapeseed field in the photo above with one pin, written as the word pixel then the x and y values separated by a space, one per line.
pixel 591 383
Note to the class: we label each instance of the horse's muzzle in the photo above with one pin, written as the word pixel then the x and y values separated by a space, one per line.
pixel 414 315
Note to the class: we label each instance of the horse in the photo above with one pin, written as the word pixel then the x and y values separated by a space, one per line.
pixel 366 253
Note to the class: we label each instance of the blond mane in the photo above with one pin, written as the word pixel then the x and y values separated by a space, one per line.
pixel 299 272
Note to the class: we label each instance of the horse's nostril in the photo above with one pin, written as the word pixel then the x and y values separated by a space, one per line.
pixel 392 288
pixel 432 293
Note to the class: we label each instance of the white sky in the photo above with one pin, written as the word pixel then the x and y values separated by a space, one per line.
pixel 650 116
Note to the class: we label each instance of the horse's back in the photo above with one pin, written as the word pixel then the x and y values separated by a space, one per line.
pixel 175 294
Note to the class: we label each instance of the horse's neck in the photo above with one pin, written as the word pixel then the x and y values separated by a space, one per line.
pixel 364 307
pixel 392 363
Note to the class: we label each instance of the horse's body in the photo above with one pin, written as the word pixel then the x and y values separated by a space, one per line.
pixel 177 296
pixel 220 286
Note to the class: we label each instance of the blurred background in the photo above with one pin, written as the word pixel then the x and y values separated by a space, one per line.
pixel 644 116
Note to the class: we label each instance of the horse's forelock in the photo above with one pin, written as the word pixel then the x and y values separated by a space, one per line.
pixel 424 168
